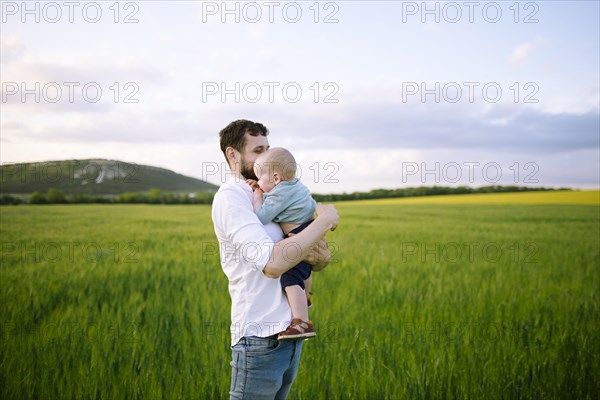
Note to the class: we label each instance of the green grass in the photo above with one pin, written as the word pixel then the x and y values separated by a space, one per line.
pixel 422 301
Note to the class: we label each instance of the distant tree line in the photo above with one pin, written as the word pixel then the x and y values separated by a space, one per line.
pixel 156 196
pixel 425 191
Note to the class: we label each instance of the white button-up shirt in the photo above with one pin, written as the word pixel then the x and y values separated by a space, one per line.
pixel 259 306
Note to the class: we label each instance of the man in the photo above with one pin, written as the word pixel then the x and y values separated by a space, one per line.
pixel 253 257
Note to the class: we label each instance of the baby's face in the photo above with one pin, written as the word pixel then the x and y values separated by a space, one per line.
pixel 265 175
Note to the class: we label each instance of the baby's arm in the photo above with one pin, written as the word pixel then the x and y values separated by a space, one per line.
pixel 257 196
pixel 257 199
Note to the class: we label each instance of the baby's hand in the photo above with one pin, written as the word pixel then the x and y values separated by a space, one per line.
pixel 258 193
pixel 257 198
pixel 253 184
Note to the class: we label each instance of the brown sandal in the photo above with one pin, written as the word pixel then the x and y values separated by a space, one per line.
pixel 298 329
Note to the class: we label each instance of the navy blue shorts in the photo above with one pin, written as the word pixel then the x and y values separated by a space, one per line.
pixel 300 272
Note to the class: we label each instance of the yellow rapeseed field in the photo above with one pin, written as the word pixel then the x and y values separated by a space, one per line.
pixel 586 197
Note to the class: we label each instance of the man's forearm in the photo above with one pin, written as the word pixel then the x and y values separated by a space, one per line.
pixel 280 260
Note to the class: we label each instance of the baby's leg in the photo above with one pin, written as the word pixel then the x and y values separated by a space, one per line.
pixel 297 299
pixel 308 284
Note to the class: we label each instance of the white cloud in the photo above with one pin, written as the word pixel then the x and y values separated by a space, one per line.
pixel 171 52
pixel 11 48
pixel 521 52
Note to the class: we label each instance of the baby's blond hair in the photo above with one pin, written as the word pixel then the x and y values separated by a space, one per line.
pixel 280 160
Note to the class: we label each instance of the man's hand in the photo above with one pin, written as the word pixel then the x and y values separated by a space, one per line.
pixel 253 184
pixel 329 213
pixel 320 256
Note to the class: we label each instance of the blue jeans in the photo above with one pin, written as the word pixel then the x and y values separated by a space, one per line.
pixel 263 368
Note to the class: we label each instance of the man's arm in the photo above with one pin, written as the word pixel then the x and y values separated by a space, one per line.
pixel 280 261
pixel 319 256
pixel 241 226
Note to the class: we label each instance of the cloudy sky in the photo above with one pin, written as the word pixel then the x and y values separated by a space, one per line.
pixel 365 94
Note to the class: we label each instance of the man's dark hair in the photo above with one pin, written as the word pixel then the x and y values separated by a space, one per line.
pixel 234 134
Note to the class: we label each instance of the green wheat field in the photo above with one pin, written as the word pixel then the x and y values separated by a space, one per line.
pixel 482 296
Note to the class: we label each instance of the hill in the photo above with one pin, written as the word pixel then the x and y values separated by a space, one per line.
pixel 95 177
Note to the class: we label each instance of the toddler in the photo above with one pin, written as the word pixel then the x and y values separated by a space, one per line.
pixel 280 197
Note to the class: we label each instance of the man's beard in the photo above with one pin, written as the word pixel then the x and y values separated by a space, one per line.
pixel 247 170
